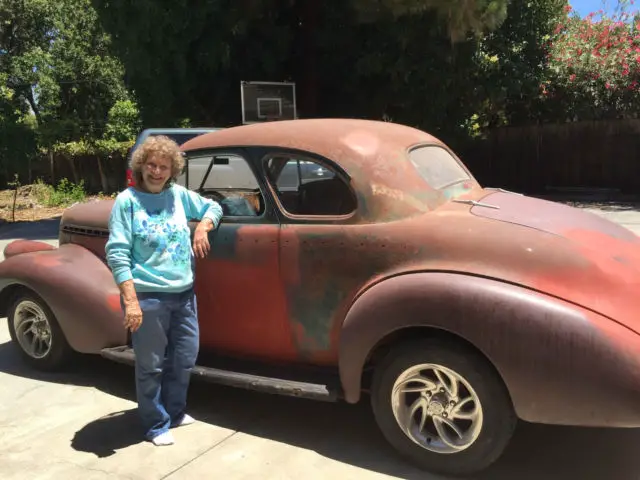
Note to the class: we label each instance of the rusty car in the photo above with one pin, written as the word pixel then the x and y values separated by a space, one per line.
pixel 392 277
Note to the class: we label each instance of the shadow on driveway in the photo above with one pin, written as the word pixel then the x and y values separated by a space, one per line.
pixel 340 431
pixel 40 230
pixel 105 436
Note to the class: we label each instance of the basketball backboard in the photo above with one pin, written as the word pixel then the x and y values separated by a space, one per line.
pixel 268 101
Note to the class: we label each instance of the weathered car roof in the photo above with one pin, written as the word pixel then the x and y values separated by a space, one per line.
pixel 349 142
pixel 373 154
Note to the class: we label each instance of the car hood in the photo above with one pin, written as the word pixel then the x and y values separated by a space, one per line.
pixel 552 217
pixel 563 251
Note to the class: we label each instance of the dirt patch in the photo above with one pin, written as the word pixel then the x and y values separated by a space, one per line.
pixel 27 208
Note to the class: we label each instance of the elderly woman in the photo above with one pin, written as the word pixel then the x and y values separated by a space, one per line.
pixel 150 255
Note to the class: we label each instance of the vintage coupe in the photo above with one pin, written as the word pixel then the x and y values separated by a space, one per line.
pixel 388 272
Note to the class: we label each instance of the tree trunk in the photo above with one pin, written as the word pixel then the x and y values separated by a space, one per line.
pixel 103 177
pixel 52 167
pixel 34 106
pixel 309 11
pixel 74 170
pixel 15 198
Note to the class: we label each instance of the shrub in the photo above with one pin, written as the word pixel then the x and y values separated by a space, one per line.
pixel 64 194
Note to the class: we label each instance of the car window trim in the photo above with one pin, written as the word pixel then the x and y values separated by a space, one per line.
pixel 293 154
pixel 244 154
pixel 446 149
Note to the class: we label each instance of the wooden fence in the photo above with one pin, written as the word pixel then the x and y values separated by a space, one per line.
pixel 107 176
pixel 532 159
pixel 541 158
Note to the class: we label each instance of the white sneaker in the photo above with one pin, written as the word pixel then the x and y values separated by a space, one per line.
pixel 186 420
pixel 163 439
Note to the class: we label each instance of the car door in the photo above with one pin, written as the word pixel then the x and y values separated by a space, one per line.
pixel 241 302
pixel 315 249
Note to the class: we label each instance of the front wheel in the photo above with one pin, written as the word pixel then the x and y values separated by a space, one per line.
pixel 442 406
pixel 36 332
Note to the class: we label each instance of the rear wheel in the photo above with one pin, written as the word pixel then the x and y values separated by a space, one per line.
pixel 35 331
pixel 442 406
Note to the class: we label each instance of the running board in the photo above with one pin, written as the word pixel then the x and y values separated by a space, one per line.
pixel 248 381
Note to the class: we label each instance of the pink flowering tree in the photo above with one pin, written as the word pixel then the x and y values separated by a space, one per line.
pixel 593 68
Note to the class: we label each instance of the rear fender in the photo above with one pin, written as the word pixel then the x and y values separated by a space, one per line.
pixel 77 286
pixel 560 363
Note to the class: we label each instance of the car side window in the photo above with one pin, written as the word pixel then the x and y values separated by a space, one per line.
pixel 307 187
pixel 437 166
pixel 227 179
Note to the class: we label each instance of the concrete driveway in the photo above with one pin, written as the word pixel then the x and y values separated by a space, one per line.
pixel 626 214
pixel 81 424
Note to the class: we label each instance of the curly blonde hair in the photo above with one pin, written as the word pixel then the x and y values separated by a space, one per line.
pixel 160 145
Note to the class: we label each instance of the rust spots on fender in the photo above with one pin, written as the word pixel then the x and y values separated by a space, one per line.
pixel 113 303
pixel 361 141
pixel 241 299
pixel 606 285
pixel 47 261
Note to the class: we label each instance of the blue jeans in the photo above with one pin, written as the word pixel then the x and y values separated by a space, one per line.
pixel 166 347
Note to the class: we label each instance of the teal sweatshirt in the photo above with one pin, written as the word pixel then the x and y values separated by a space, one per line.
pixel 149 237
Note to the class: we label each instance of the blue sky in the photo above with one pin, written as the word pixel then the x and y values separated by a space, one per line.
pixel 585 7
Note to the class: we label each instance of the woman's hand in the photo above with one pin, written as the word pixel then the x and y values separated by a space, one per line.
pixel 132 316
pixel 201 245
pixel 132 310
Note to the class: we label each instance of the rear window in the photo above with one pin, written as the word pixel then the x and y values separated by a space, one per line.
pixel 438 167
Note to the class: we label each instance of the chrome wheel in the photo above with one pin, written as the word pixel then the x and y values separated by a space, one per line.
pixel 437 408
pixel 32 329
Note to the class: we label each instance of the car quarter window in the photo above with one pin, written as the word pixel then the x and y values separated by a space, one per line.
pixel 308 187
pixel 227 179
pixel 437 166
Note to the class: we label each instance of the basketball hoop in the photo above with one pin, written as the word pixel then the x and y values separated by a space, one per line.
pixel 267 101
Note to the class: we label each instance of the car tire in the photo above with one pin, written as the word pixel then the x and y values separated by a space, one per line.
pixel 485 434
pixel 44 348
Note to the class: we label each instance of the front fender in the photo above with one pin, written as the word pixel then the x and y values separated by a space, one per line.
pixel 562 364
pixel 79 289
pixel 18 247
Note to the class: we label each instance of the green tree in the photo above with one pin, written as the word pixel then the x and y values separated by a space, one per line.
pixel 594 66
pixel 17 133
pixel 512 61
pixel 59 82
pixel 123 121
pixel 460 16
pixel 22 34
pixel 58 61
pixel 186 59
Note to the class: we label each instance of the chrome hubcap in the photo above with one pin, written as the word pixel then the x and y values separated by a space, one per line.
pixel 437 408
pixel 32 328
